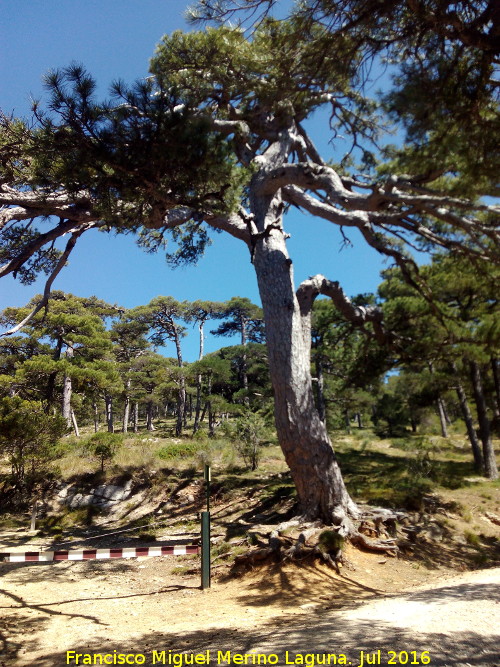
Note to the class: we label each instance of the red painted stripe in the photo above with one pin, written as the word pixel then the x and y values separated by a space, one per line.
pixel 91 554
pixel 31 556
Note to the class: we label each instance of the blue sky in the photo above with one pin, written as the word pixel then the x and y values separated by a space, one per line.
pixel 115 39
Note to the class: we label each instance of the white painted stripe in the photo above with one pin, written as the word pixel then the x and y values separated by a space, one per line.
pixel 128 552
pixel 179 550
pixel 154 551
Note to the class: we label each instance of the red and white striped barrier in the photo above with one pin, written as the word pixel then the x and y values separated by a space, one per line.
pixel 97 554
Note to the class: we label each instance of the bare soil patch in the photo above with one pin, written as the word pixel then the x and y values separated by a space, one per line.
pixel 139 606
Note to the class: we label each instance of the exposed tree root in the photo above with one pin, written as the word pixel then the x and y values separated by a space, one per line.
pixel 375 530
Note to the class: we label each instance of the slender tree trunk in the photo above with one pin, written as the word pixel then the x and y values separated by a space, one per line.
pixel 442 417
pixel 75 423
pixel 446 413
pixel 149 416
pixel 244 370
pixel 201 329
pixel 302 435
pixel 33 515
pixel 108 401
pixel 197 409
pixel 51 383
pixel 359 420
pixel 496 381
pixel 126 415
pixel 469 424
pixel 67 391
pixel 181 394
pixel 66 399
pixel 126 407
pixel 135 427
pixel 211 420
pixel 186 410
pixel 96 417
pixel 347 419
pixel 490 464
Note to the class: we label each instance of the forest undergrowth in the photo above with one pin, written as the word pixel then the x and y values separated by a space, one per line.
pixel 450 515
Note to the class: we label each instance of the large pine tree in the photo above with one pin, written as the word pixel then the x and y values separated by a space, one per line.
pixel 215 139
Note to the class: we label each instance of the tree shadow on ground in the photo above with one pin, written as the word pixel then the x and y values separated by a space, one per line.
pixel 434 554
pixel 399 481
pixel 330 634
pixel 300 586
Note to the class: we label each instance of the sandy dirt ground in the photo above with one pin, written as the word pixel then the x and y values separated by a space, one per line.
pixel 141 608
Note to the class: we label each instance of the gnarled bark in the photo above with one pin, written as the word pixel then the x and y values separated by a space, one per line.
pixel 302 435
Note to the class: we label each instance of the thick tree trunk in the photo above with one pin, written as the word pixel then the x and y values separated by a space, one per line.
pixel 490 464
pixel 469 424
pixel 302 435
pixel 320 395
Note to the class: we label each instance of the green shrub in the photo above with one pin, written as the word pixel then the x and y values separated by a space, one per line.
pixel 329 541
pixel 103 446
pixel 181 450
pixel 472 539
pixel 250 431
pixel 28 437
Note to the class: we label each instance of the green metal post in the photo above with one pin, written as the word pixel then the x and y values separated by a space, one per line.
pixel 205 550
pixel 207 476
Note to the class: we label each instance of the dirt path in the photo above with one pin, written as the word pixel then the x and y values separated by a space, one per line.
pixel 139 606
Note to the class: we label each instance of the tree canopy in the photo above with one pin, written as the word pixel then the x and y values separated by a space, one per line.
pixel 216 140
